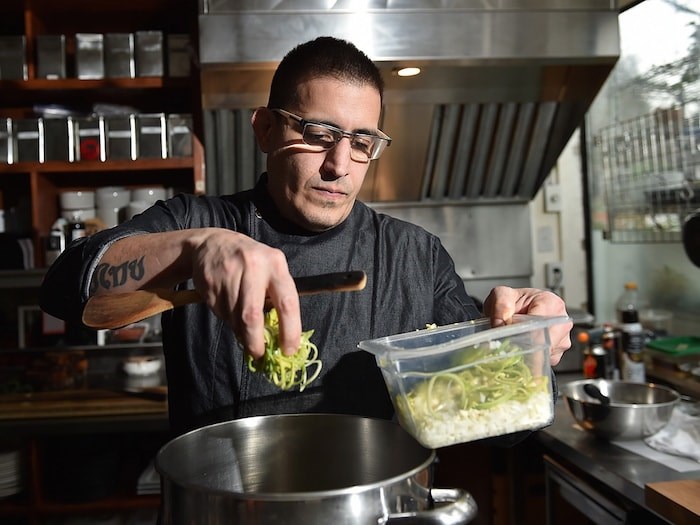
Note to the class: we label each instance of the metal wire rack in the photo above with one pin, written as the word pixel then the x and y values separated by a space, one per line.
pixel 651 172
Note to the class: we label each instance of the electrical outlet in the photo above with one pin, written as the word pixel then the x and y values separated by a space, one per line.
pixel 554 275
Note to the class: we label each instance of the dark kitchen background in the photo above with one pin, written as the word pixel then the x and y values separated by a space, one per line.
pixel 549 144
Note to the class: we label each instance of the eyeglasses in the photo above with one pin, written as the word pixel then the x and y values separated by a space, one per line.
pixel 363 147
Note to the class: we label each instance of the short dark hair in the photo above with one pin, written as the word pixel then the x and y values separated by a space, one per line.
pixel 324 56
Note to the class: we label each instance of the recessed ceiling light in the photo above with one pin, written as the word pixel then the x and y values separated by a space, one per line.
pixel 408 71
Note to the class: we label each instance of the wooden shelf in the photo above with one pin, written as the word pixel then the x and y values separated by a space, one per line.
pixel 90 165
pixel 37 506
pixel 76 84
pixel 35 187
pixel 135 502
pixel 102 349
pixel 21 278
pixel 79 403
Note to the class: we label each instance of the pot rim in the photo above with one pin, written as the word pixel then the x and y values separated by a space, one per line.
pixel 290 496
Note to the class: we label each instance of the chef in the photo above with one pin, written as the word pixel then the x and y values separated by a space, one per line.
pixel 320 133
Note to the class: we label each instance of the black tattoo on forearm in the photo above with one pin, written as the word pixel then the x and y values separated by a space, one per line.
pixel 108 276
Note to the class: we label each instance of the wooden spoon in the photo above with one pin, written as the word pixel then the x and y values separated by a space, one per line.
pixel 115 310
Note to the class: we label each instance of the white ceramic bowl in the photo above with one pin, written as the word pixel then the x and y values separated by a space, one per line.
pixel 149 194
pixel 79 214
pixel 112 197
pixel 77 200
pixel 109 216
pixel 141 366
pixel 136 207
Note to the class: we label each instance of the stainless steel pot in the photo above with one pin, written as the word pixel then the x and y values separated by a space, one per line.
pixel 304 468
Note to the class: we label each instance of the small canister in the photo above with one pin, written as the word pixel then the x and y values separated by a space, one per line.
pixel 7 147
pixel 149 53
pixel 13 61
pixel 90 138
pixel 51 56
pixel 119 55
pixel 121 137
pixel 152 136
pixel 180 135
pixel 59 140
pixel 178 55
pixel 89 55
pixel 29 139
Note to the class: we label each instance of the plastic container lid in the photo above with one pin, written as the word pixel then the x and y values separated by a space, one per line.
pixel 434 341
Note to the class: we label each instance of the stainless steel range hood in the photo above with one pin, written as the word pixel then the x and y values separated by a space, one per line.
pixel 503 86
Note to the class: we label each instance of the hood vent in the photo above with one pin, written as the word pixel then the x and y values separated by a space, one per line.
pixel 503 85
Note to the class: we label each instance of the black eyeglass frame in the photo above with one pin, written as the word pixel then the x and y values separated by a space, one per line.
pixel 381 140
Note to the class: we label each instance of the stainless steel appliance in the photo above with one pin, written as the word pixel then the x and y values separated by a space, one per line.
pixel 503 84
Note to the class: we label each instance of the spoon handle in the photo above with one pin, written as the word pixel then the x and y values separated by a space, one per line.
pixel 110 311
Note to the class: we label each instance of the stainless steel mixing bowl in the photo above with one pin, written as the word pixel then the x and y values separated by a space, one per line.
pixel 631 410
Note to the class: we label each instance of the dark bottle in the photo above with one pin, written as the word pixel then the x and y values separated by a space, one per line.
pixel 628 300
pixel 76 230
pixel 632 366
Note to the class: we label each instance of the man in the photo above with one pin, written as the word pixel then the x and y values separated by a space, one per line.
pixel 319 131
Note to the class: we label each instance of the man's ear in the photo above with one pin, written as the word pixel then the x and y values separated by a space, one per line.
pixel 262 127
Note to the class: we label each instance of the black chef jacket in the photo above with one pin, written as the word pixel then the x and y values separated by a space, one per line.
pixel 411 282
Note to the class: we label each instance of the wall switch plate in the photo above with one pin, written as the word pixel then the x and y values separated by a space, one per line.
pixel 554 275
pixel 552 198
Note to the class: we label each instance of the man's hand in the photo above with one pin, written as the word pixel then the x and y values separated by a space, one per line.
pixel 504 302
pixel 234 274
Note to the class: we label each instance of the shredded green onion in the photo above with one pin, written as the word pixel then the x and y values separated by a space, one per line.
pixel 286 371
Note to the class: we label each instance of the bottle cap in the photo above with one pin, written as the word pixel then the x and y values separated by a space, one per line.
pixel 630 285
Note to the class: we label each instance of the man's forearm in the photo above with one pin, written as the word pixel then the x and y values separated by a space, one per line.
pixel 140 261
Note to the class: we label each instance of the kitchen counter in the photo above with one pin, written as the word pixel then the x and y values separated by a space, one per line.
pixel 110 403
pixel 105 412
pixel 609 468
pixel 103 400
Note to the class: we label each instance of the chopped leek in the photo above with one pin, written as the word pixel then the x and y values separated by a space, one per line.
pixel 286 371
pixel 491 379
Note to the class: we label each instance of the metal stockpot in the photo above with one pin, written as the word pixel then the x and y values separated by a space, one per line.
pixel 304 468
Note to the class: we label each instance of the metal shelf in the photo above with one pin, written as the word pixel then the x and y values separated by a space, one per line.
pixel 651 170
pixel 22 278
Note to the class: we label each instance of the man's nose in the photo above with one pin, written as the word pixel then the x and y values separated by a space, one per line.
pixel 338 158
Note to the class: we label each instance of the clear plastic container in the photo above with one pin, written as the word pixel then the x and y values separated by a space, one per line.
pixel 468 381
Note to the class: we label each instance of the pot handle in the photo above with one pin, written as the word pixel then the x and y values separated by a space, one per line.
pixel 459 508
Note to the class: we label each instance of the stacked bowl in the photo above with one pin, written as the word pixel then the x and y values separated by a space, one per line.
pixel 112 202
pixel 77 205
pixel 144 198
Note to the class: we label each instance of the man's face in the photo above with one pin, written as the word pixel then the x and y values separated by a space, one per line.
pixel 317 189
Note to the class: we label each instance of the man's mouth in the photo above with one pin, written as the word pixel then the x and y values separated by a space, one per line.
pixel 331 191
